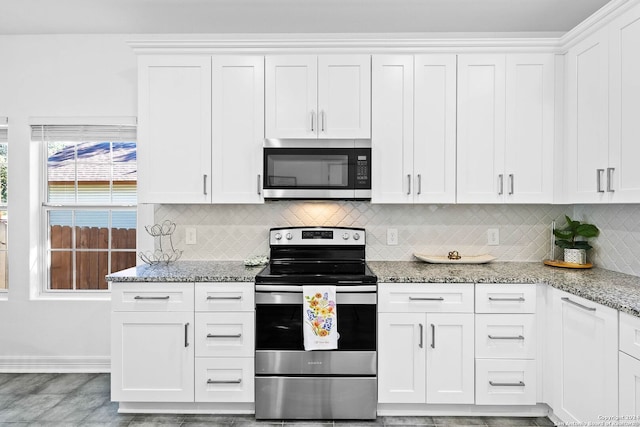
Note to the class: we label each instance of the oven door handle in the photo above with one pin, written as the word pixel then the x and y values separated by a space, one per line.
pixel 298 289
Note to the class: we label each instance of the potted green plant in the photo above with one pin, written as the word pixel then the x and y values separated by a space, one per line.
pixel 573 239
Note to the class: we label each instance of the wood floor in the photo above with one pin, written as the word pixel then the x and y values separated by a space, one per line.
pixel 69 400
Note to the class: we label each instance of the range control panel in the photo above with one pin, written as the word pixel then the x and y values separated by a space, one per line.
pixel 317 236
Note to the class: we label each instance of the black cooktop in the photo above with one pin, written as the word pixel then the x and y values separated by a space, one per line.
pixel 325 273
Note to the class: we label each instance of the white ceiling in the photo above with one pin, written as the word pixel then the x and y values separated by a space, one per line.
pixel 291 16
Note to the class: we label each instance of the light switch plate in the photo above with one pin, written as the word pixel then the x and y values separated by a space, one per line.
pixel 191 237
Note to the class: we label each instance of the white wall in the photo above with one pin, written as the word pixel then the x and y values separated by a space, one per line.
pixel 88 75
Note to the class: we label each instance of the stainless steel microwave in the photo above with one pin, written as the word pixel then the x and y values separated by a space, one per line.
pixel 317 169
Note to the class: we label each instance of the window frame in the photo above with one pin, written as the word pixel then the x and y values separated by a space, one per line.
pixel 43 290
pixel 4 206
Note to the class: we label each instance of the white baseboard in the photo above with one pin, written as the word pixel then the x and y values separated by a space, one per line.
pixel 61 364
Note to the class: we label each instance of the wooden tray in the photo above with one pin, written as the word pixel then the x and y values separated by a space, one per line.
pixel 558 263
pixel 435 259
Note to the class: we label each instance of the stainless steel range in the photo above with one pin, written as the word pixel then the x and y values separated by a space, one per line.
pixel 292 383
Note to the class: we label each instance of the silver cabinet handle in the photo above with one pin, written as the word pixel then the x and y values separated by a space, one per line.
pixel 609 179
pixel 322 121
pixel 138 297
pixel 408 184
pixel 186 334
pixel 599 173
pixel 238 381
pixel 204 184
pixel 518 384
pixel 426 299
pixel 519 299
pixel 419 184
pixel 224 298
pixel 500 184
pixel 421 343
pixel 584 307
pixel 224 336
pixel 510 184
pixel 493 337
pixel 433 336
pixel 313 119
pixel 259 184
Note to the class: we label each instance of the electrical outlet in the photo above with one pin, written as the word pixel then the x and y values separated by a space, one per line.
pixel 392 236
pixel 493 237
pixel 190 238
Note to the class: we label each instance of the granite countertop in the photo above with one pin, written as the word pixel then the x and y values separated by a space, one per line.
pixel 188 271
pixel 616 290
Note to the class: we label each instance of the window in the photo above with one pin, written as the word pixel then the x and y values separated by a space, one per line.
pixel 4 271
pixel 89 209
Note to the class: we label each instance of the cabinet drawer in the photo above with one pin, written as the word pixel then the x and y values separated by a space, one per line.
pixel 505 382
pixel 425 297
pixel 505 298
pixel 224 297
pixel 224 334
pixel 630 334
pixel 506 336
pixel 221 379
pixel 152 297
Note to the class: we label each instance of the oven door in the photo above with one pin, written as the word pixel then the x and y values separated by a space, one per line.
pixel 279 334
pixel 317 173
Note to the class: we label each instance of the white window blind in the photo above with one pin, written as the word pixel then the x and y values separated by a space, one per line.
pixel 81 133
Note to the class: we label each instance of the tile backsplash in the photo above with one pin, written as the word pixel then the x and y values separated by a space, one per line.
pixel 235 232
pixel 618 245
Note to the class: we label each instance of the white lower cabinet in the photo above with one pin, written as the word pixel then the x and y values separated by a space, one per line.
pixel 585 359
pixel 629 369
pixel 424 357
pixel 180 342
pixel 505 382
pixel 153 357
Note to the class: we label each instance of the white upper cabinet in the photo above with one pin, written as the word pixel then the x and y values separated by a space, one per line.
pixel 587 120
pixel 624 106
pixel 194 147
pixel 505 128
pixel 237 128
pixel 174 129
pixel 413 128
pixel 327 96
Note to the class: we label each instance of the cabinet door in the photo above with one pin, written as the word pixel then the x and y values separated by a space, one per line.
pixel 481 128
pixel 587 120
pixel 529 128
pixel 392 129
pixel 291 96
pixel 629 388
pixel 344 96
pixel 174 132
pixel 434 139
pixel 588 338
pixel 623 180
pixel 152 356
pixel 450 359
pixel 237 128
pixel 401 357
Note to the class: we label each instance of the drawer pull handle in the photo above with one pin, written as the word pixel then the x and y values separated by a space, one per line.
pixel 238 381
pixel 584 307
pixel 224 336
pixel 426 299
pixel 518 299
pixel 214 298
pixel 493 337
pixel 518 384
pixel 138 297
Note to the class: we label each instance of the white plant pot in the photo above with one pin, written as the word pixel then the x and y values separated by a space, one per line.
pixel 575 256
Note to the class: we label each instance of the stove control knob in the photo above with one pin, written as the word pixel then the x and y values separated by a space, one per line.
pixel 289 236
pixel 345 236
pixel 278 236
pixel 356 236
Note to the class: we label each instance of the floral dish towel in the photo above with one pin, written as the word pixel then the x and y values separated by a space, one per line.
pixel 320 318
